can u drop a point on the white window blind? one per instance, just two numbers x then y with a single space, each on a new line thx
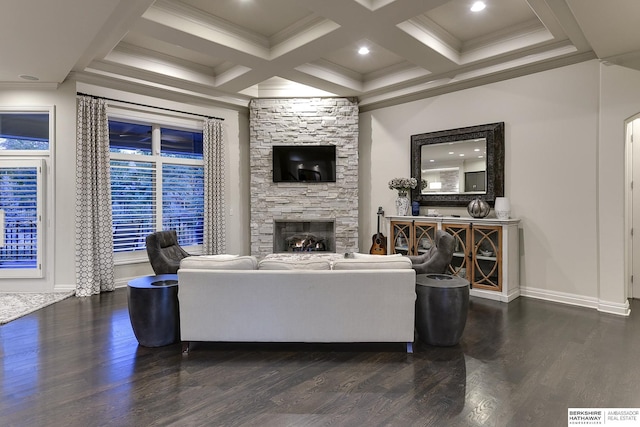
21 198
133 203
183 202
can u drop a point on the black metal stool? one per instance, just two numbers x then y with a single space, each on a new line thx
441 308
153 309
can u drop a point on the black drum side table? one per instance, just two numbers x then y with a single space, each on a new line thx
153 309
442 305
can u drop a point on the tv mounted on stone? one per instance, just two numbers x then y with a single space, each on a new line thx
304 163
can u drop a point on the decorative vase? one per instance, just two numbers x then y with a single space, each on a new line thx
415 208
502 208
402 204
478 208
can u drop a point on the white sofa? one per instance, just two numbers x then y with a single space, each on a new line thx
237 299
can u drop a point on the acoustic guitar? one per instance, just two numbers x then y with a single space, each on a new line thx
379 246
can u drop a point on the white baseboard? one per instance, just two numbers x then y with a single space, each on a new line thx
614 308
123 282
120 283
620 309
493 295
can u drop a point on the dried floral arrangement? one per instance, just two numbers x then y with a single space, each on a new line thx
403 184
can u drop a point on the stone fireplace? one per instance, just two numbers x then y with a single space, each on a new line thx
314 121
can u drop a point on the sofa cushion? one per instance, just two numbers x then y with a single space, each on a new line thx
294 264
377 262
220 262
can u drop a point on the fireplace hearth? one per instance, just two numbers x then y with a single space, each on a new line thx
303 236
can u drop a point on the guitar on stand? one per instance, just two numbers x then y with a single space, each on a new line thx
379 246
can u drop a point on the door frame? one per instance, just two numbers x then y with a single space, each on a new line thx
45 282
629 267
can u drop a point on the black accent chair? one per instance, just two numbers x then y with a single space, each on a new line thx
438 258
164 252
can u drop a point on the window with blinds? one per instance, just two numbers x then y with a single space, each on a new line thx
133 203
157 183
26 138
183 202
20 218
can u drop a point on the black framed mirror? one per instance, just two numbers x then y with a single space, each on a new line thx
458 165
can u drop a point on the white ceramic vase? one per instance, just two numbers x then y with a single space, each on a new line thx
402 204
502 208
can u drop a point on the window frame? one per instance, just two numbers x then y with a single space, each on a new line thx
157 122
44 160
32 153
38 271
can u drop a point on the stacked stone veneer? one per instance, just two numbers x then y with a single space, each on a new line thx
312 121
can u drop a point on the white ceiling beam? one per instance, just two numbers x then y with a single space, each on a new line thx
137 60
381 26
565 19
114 29
112 72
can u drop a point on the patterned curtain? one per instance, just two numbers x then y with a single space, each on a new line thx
94 238
214 239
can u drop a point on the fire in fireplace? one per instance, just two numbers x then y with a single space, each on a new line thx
303 236
305 242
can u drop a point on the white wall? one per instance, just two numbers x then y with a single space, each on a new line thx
554 165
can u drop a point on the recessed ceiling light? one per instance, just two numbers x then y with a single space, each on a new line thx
363 50
478 6
28 77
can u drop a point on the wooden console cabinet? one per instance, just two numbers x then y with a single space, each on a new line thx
486 250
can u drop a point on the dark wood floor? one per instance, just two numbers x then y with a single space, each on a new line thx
77 363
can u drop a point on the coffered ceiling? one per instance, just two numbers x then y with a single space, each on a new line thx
229 51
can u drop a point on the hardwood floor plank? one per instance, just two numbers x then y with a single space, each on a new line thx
77 363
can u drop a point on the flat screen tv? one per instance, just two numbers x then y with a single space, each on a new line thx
304 163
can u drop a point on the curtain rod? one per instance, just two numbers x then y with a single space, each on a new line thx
149 106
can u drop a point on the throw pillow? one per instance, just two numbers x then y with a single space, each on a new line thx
220 262
309 264
377 263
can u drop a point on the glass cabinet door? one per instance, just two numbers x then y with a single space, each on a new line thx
425 237
486 257
459 264
401 237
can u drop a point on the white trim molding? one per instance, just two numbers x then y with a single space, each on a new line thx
620 309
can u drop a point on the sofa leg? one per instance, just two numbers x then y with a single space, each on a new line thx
410 347
185 347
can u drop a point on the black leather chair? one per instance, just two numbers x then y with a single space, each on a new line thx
438 258
164 252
